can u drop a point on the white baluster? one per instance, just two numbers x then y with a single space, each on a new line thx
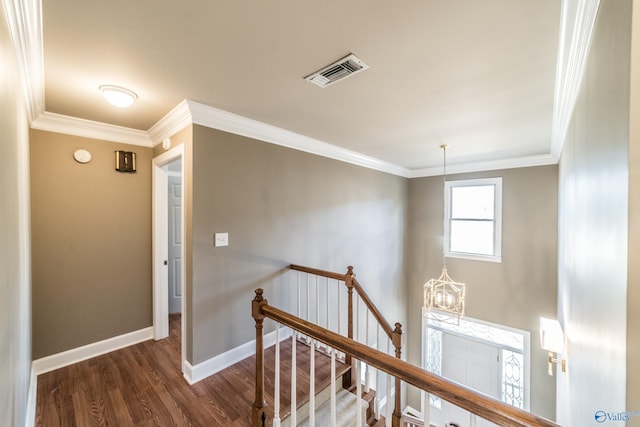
367 372
295 333
328 323
294 403
317 308
426 408
358 395
339 312
312 384
308 298
389 400
357 333
389 397
276 389
376 406
308 339
472 420
333 388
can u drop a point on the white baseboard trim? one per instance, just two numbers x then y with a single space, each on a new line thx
30 417
202 370
75 355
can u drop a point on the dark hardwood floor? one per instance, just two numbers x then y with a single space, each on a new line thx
142 385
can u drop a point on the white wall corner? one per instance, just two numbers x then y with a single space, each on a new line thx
24 18
69 357
30 416
200 371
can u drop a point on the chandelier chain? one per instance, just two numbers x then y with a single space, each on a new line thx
444 201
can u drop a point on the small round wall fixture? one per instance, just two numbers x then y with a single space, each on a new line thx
118 96
82 156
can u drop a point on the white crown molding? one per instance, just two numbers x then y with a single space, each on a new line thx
25 23
24 18
215 118
173 122
576 27
519 162
87 128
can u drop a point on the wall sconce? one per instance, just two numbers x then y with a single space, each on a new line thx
552 340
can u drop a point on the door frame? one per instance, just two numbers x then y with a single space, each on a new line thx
160 224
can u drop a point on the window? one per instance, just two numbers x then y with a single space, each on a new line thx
473 211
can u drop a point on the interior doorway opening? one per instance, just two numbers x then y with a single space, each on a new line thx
169 167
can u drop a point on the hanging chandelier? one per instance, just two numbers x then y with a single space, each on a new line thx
443 297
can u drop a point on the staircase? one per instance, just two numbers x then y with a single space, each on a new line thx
349 341
345 399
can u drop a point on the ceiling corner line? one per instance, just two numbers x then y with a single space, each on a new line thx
489 165
59 123
573 52
174 121
215 118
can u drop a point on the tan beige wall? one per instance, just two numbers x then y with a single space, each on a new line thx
515 292
91 230
181 137
282 206
594 228
15 304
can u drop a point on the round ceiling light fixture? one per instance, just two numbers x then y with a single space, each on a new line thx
118 96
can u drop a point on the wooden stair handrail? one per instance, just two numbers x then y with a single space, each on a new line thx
477 403
317 272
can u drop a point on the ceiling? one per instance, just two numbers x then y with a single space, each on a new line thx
476 75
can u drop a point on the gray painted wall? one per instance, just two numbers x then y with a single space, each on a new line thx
633 282
91 230
15 282
282 206
515 292
593 226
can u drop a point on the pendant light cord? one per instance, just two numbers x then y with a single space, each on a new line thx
444 202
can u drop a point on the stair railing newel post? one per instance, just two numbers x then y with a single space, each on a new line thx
347 378
397 343
258 412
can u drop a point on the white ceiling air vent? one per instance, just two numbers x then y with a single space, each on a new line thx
341 69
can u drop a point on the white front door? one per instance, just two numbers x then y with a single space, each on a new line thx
473 364
175 243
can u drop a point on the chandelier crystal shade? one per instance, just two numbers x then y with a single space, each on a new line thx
444 297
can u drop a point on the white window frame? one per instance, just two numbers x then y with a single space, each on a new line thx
497 230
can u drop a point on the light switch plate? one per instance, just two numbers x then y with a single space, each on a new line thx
221 239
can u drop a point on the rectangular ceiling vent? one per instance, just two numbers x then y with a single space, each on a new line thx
341 69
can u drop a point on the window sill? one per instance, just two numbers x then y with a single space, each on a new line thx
474 257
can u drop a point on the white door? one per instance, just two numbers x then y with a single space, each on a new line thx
175 243
473 364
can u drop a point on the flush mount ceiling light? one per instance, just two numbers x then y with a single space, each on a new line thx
118 96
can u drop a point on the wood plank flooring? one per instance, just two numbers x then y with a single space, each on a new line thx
142 385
